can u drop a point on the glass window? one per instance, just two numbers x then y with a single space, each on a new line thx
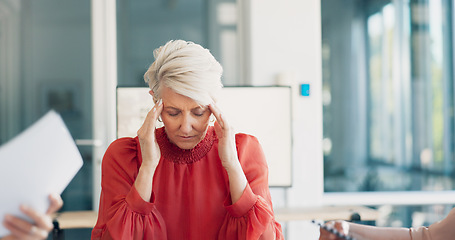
388 95
144 25
45 63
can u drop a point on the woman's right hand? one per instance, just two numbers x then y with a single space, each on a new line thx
149 146
341 226
150 151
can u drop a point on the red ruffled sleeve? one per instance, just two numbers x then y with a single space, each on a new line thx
251 217
123 214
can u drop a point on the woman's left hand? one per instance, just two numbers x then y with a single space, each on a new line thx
227 151
21 229
226 136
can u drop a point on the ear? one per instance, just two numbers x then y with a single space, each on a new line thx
153 95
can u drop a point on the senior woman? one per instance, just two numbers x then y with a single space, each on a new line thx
186 180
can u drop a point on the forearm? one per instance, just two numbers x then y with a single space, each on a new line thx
365 232
144 181
237 180
269 233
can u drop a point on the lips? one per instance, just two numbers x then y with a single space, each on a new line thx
186 137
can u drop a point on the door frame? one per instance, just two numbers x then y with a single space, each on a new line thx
104 80
10 82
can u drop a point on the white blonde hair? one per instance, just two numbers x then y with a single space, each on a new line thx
188 69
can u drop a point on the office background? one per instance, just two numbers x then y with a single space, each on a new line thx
377 128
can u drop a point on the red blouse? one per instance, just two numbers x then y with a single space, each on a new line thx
190 197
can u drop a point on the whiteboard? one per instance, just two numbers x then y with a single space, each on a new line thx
264 112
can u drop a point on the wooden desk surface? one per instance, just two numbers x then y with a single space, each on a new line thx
76 219
325 213
87 219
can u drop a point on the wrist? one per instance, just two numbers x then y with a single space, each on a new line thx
233 167
150 161
237 181
144 181
148 167
235 171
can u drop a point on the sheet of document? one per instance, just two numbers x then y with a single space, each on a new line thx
41 160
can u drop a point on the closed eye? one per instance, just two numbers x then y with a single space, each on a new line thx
199 112
173 113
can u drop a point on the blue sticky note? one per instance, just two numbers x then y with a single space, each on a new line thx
305 89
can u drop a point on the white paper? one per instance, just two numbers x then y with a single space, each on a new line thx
41 160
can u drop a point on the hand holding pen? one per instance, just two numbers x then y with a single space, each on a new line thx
334 230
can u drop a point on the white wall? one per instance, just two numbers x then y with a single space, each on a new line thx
285 47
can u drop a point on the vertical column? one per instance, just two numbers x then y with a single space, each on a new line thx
10 97
104 77
283 46
285 43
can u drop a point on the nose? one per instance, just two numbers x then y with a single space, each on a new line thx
187 124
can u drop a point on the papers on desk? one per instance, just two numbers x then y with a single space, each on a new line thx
41 160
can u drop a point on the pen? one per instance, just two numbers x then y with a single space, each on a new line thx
333 231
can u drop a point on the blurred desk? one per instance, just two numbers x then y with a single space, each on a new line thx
87 219
325 213
72 220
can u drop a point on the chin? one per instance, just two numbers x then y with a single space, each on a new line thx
186 146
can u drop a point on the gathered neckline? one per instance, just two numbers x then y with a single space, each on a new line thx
173 153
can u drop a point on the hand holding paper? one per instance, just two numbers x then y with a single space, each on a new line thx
41 226
41 160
